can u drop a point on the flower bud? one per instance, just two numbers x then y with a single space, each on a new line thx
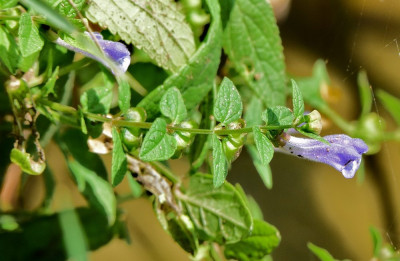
313 122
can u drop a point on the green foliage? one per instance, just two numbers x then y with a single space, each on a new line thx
228 104
298 103
263 240
252 42
173 106
52 16
30 40
97 96
173 36
176 64
321 253
9 51
391 104
219 214
119 163
158 144
220 163
278 116
264 146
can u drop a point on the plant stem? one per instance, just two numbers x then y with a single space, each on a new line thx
147 125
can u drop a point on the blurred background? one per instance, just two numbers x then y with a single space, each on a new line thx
309 202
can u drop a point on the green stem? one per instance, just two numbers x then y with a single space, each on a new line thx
147 125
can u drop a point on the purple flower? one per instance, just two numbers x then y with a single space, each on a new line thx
344 153
116 51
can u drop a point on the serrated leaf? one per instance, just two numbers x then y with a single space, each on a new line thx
157 144
119 163
228 104
264 146
66 9
321 253
313 136
264 171
219 162
124 95
30 40
173 106
49 86
391 104
98 95
89 173
218 214
9 51
298 103
195 79
278 116
252 42
156 26
263 239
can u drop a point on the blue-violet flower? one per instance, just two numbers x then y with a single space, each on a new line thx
344 153
116 51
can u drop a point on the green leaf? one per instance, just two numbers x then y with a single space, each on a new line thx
278 116
195 79
228 104
119 163
252 42
219 214
49 86
219 162
365 93
263 239
98 95
25 161
66 9
74 237
298 103
391 104
30 40
263 170
253 113
52 16
95 188
264 146
157 144
377 241
173 106
9 51
313 136
89 173
26 63
50 186
156 26
124 95
321 253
